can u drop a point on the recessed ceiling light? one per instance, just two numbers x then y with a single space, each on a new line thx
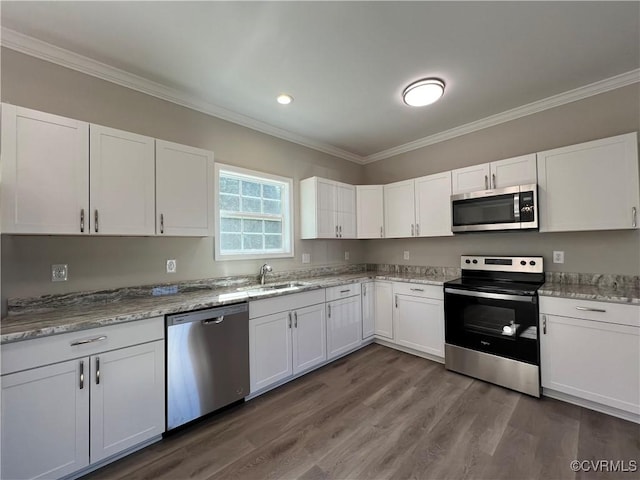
284 99
423 92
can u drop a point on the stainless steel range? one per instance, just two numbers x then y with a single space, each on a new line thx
491 321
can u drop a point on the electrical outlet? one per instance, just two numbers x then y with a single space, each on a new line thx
406 254
59 272
172 266
346 255
558 256
306 258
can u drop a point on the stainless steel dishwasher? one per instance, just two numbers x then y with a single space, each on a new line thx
207 361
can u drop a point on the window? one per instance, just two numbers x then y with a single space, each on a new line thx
253 214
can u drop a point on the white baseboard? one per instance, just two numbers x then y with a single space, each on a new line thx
411 351
598 407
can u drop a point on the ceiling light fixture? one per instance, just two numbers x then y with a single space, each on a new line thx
284 99
423 92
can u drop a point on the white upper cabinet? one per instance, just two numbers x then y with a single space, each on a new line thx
399 209
514 171
45 173
590 186
184 190
370 211
433 205
499 174
327 209
122 189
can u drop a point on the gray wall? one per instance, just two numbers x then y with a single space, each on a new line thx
116 261
603 115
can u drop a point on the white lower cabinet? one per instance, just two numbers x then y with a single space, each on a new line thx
344 326
597 361
418 324
62 417
45 421
287 342
368 309
384 309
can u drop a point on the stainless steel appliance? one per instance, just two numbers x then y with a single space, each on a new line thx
491 321
207 361
500 209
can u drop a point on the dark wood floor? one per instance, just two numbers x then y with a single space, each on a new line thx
380 413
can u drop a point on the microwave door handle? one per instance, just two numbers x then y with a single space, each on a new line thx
516 207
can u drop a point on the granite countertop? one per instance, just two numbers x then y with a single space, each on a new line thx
600 293
52 320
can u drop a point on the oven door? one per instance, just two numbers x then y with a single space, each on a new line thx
496 323
486 210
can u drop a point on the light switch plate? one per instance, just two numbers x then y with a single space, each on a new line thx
306 258
406 255
346 255
59 272
558 256
172 266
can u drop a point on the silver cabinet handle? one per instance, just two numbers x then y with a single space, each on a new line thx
82 220
340 231
88 340
634 222
381 232
486 182
345 291
96 220
417 289
295 319
329 310
364 290
337 231
97 370
81 374
412 230
289 319
417 229
396 301
162 223
544 324
493 178
589 309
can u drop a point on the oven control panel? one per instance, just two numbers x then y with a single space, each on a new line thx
502 264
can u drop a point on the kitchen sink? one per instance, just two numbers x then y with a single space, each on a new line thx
274 287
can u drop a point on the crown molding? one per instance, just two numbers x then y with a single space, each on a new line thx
579 93
65 58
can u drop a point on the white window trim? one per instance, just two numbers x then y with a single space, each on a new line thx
287 207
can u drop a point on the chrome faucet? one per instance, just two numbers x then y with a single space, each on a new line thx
264 269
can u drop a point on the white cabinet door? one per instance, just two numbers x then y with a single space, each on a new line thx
45 421
596 361
44 172
590 186
344 326
399 209
127 398
471 179
184 190
368 309
514 171
318 208
419 324
346 210
433 205
122 185
384 309
270 348
370 211
309 337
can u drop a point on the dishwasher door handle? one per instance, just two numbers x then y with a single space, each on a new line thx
214 321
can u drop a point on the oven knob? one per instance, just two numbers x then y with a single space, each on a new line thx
522 262
532 263
467 261
475 261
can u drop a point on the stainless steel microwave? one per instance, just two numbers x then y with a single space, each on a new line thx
511 208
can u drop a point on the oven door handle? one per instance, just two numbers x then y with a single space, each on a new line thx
493 296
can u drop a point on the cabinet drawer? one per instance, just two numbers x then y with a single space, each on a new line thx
419 290
619 313
269 306
58 348
343 291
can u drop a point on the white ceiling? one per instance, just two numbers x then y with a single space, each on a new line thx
346 63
